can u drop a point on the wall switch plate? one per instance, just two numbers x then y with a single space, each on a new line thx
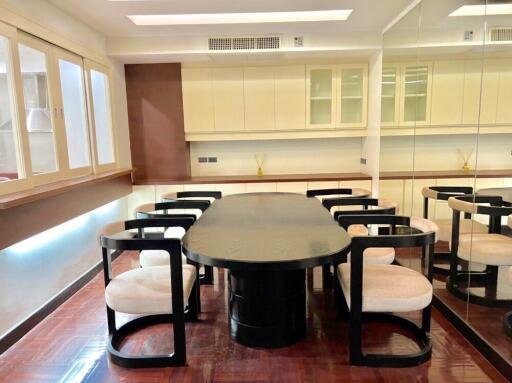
212 159
362 161
202 160
468 35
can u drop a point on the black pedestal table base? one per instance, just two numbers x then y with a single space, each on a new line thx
267 308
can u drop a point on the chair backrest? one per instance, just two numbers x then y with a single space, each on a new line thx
349 192
161 209
442 193
201 195
382 206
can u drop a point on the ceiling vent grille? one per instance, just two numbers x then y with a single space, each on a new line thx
500 34
243 43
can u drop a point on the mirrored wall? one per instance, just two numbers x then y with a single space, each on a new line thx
447 124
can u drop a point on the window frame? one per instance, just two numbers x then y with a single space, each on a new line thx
90 65
17 109
58 54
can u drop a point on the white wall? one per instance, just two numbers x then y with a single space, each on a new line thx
282 156
440 152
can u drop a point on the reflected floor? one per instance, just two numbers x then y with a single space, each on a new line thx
487 321
69 346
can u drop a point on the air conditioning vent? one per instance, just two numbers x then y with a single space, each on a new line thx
243 43
500 34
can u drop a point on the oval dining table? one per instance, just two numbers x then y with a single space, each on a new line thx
266 241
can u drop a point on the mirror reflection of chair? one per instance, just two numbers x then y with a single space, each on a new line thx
161 294
373 292
491 249
467 224
166 210
358 205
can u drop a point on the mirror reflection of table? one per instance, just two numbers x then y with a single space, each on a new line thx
267 241
505 193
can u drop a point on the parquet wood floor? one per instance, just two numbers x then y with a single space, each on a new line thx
69 346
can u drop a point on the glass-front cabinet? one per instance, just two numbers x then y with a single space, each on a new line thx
390 95
415 93
321 96
352 96
337 96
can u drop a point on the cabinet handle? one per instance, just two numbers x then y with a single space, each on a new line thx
55 112
62 113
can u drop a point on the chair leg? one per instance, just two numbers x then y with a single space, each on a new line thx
194 303
177 358
358 358
327 277
507 323
339 299
207 277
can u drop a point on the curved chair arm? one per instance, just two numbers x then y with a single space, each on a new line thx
445 192
472 204
183 204
190 194
355 192
383 206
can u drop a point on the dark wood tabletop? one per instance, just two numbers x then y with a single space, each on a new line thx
266 231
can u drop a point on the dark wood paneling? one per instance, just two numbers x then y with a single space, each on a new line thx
256 179
155 112
71 344
37 213
500 173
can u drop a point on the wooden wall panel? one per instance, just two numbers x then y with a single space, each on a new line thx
155 113
23 221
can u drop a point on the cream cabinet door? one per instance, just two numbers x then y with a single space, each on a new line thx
321 96
415 93
352 96
447 92
504 106
290 97
390 95
490 82
228 99
197 92
259 98
472 88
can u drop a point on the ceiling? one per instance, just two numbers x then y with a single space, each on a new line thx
109 17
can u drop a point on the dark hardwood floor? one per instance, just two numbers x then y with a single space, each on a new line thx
69 346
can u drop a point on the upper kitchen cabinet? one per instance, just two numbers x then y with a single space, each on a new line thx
228 99
415 94
352 96
390 94
504 109
259 91
320 96
496 92
197 100
447 92
290 97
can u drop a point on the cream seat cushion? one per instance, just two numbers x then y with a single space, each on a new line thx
488 249
378 255
150 258
389 288
466 226
175 232
357 230
146 290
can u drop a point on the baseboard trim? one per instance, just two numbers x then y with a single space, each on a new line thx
33 320
498 361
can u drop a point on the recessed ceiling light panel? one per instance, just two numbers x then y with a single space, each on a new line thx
482 10
241 18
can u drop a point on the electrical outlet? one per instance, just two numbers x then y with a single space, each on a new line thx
362 161
212 159
468 35
202 160
298 41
